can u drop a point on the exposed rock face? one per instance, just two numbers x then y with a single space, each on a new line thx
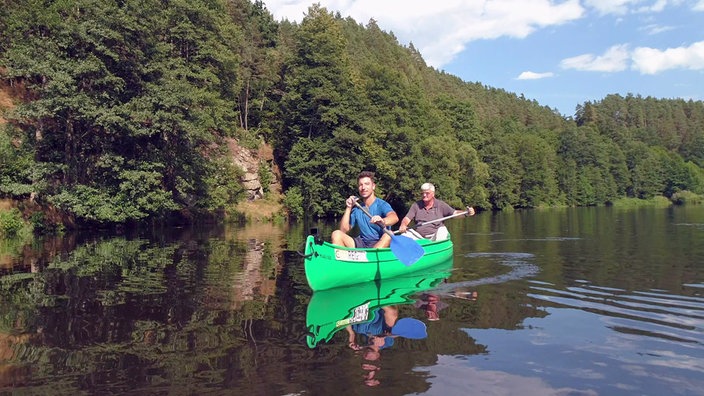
251 183
250 161
5 101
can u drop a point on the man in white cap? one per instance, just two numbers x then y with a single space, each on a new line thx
427 209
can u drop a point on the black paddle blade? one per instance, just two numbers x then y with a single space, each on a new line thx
406 250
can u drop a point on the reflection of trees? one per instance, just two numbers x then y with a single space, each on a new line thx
11 374
195 311
33 253
164 315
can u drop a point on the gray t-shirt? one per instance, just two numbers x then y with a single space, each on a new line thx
420 214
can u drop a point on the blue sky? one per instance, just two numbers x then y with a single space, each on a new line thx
559 53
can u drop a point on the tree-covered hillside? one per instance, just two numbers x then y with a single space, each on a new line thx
123 109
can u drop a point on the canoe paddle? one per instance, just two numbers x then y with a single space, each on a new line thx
409 328
465 213
406 250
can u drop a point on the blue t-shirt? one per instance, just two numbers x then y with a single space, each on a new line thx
375 327
367 231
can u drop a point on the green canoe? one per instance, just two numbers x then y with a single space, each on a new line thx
329 266
332 310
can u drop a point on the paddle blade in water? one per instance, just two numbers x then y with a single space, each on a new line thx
409 328
406 250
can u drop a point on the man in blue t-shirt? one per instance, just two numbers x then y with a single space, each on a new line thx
371 233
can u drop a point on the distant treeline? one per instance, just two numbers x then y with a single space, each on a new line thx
124 110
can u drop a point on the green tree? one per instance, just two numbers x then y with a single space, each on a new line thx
16 166
473 177
647 174
126 96
316 165
260 62
505 172
538 185
318 96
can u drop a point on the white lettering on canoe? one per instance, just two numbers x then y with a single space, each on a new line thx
361 314
351 255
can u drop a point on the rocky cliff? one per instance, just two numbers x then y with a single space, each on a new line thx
252 162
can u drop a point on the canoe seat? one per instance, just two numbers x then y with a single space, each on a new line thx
441 234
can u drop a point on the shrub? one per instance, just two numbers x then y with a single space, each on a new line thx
265 176
293 201
686 197
11 223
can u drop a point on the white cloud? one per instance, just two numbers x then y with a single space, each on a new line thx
618 7
655 29
613 60
452 374
441 29
653 61
658 6
529 75
643 59
622 7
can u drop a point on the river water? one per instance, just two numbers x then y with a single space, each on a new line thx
587 301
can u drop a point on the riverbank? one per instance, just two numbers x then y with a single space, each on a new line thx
268 209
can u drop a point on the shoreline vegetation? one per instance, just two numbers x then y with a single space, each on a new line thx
13 223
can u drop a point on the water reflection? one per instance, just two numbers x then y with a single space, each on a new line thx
372 316
381 333
330 311
129 312
431 303
589 301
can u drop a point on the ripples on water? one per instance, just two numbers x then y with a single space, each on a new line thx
578 336
596 340
654 335
521 265
652 313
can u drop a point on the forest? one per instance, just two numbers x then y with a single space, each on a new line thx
122 112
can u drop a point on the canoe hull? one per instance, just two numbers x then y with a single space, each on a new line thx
329 266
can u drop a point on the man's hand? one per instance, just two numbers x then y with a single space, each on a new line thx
350 201
354 346
470 211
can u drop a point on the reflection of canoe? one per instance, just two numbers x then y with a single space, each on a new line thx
332 310
328 266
